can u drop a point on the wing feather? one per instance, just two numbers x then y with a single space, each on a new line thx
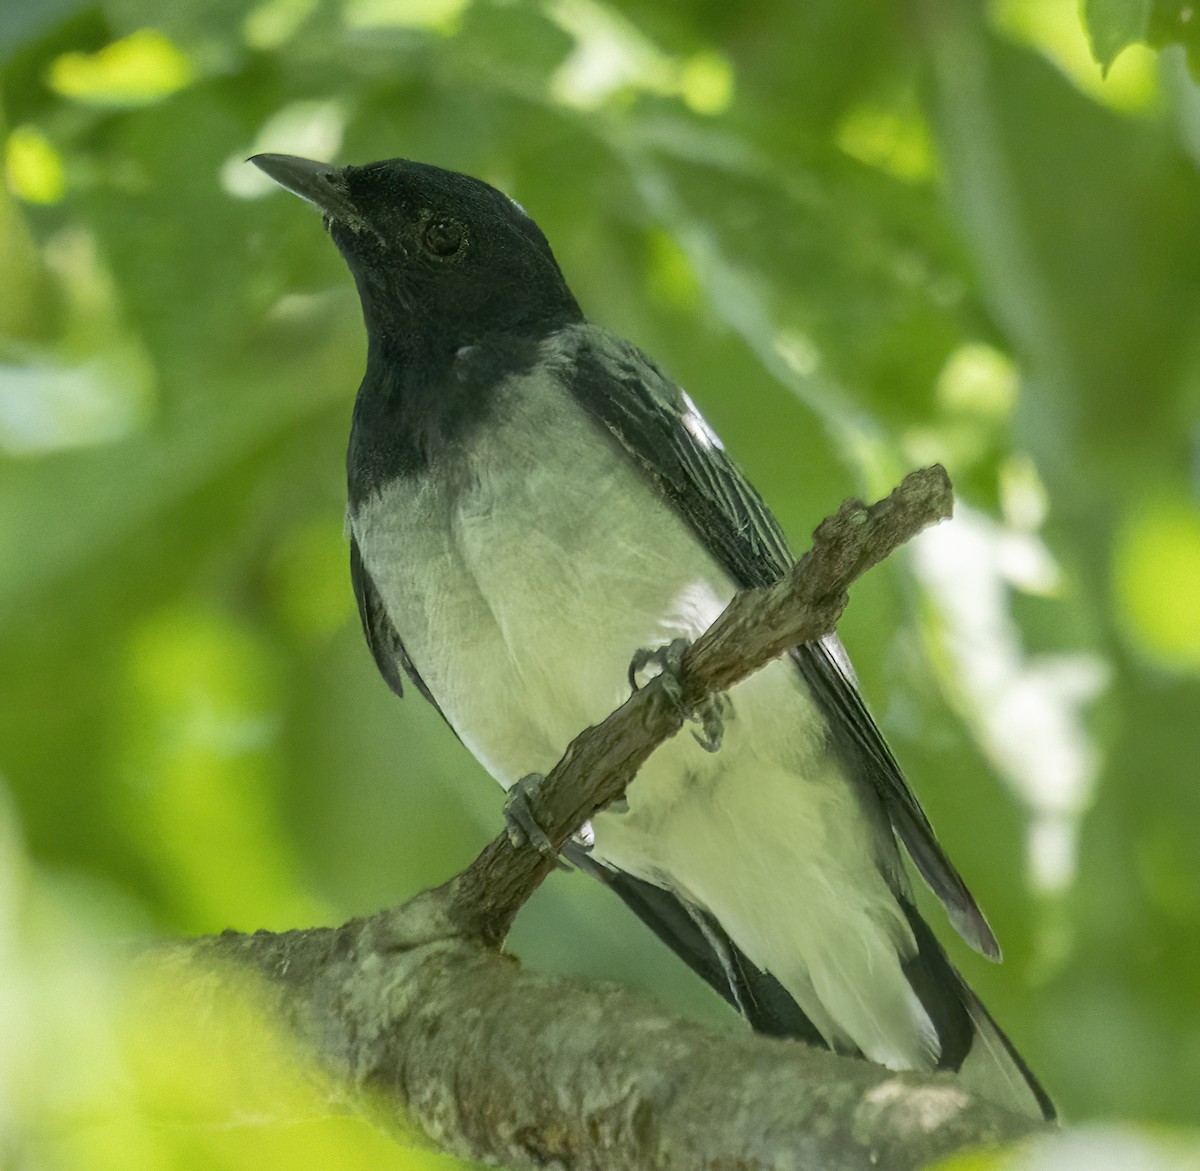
660 428
386 648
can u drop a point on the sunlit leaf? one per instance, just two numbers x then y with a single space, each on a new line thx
437 15
137 70
611 56
978 380
706 83
895 141
33 166
273 23
1112 25
1127 80
1156 569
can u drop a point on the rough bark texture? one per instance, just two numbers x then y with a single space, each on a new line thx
421 1021
425 1029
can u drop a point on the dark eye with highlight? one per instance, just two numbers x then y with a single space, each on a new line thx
444 237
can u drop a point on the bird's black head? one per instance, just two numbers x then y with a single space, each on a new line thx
441 259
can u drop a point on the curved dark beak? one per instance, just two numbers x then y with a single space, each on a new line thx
321 184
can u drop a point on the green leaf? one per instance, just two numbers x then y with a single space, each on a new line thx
1113 24
1175 22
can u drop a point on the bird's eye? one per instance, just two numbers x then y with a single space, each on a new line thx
444 237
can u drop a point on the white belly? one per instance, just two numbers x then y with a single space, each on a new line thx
521 583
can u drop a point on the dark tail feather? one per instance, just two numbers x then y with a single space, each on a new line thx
1003 1057
973 1044
709 952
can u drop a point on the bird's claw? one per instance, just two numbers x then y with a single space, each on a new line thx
523 827
668 659
711 713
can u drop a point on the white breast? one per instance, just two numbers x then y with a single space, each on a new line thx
522 579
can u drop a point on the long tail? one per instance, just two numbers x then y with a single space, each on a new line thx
972 1044
996 1071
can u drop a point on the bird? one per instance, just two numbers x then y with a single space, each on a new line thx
531 504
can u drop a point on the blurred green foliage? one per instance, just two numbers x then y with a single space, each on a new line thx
864 236
1113 25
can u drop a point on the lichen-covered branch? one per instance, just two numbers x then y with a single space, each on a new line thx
417 1017
424 1030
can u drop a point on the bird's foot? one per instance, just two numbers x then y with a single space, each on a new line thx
523 827
669 661
711 713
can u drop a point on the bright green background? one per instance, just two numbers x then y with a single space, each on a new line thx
865 236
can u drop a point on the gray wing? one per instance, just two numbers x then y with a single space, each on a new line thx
661 430
386 648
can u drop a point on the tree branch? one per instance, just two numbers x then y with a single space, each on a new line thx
421 1029
420 1024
